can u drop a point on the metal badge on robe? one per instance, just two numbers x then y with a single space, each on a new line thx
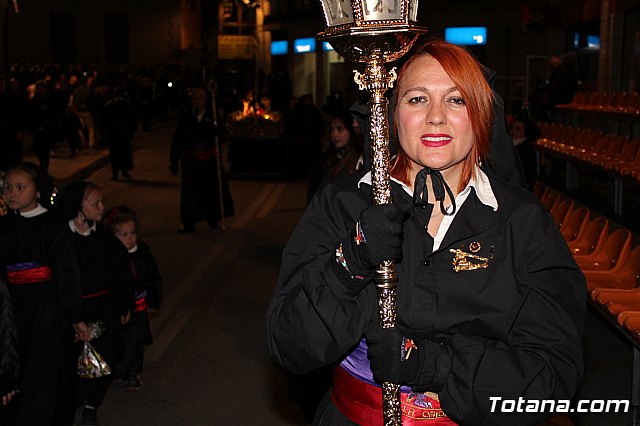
463 261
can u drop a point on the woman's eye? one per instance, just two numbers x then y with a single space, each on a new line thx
457 100
417 99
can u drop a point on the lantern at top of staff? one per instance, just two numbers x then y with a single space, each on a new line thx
357 28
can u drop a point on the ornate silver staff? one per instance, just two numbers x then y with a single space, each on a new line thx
376 32
212 86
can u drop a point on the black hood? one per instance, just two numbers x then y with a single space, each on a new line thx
69 202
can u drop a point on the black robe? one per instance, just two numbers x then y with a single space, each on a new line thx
512 329
9 362
193 150
44 313
146 276
107 294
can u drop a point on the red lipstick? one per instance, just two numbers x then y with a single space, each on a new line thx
434 140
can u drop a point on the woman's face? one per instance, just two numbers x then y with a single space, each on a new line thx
126 233
517 130
92 206
20 192
434 127
339 133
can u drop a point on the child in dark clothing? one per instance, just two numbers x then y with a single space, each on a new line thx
123 222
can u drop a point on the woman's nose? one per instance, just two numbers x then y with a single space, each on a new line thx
435 114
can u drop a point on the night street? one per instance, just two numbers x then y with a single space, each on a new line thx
208 363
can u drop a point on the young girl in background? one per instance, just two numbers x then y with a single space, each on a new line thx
106 283
342 156
147 292
44 286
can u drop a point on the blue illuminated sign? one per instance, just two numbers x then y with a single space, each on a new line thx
593 42
326 46
466 36
304 45
280 47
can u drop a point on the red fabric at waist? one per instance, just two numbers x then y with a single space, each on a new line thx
361 403
96 294
141 305
200 154
29 276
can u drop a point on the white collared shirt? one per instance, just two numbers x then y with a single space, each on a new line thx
479 181
75 229
34 212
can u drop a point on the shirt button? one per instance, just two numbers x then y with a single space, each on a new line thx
427 262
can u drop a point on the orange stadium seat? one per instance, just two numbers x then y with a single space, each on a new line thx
595 232
575 223
550 198
628 153
618 284
613 151
613 250
632 324
561 210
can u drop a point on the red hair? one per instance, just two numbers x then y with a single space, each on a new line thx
466 73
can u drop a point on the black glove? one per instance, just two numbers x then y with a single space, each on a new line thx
382 227
398 359
174 170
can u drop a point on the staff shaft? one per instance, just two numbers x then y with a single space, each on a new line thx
212 89
377 80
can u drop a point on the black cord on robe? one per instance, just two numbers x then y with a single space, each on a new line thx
440 189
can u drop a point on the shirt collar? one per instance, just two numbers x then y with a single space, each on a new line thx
35 212
479 181
75 229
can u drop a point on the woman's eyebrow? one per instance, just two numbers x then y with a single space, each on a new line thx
425 90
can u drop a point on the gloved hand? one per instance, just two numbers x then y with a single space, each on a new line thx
382 228
397 358
387 352
173 170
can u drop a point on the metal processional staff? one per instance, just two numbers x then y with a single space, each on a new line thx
376 32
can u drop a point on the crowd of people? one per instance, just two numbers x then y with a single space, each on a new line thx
83 107
70 269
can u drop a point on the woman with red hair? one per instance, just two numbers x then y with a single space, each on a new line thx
490 302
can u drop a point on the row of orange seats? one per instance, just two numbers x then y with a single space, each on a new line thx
619 103
613 154
608 258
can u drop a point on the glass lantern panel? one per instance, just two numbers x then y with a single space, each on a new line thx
413 10
380 10
338 12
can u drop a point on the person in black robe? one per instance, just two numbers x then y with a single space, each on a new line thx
11 127
119 126
44 122
524 133
9 362
106 283
193 149
490 302
44 284
147 289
